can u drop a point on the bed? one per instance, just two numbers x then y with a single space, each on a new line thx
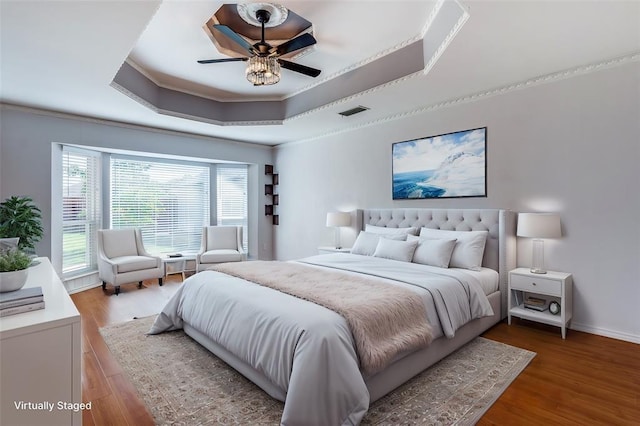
305 354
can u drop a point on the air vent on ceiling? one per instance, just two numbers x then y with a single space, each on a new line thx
352 111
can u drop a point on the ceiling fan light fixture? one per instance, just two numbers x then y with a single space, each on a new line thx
263 70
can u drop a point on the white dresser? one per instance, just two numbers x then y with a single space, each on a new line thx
40 357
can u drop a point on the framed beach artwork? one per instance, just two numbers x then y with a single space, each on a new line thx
445 166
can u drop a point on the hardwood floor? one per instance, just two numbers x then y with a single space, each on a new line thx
583 380
114 399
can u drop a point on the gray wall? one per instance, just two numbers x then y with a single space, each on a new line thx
570 146
29 145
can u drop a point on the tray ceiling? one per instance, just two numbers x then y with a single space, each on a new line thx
469 49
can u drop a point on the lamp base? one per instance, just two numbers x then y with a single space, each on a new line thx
537 266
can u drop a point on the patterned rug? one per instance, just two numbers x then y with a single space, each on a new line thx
182 383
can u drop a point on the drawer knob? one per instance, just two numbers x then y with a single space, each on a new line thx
534 283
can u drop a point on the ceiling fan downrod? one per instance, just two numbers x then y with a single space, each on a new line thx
263 17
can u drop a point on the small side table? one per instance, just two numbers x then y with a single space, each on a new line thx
552 286
178 265
329 249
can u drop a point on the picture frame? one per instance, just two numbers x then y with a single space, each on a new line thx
450 165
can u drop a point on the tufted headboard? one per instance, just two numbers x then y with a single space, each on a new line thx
500 249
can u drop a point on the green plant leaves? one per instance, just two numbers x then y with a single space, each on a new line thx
13 260
19 217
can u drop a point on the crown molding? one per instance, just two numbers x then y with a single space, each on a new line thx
533 82
155 81
420 36
548 78
316 82
133 96
121 124
464 16
216 122
178 114
432 16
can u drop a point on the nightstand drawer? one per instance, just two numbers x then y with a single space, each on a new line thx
536 285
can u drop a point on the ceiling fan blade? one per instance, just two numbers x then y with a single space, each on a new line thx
302 69
215 61
300 42
235 37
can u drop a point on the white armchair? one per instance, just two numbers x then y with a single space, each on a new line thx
122 259
220 244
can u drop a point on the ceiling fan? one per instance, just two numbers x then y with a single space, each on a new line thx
264 59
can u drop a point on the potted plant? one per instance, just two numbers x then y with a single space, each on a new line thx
13 269
19 217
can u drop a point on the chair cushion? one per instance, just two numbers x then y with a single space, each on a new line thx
222 237
119 242
134 263
220 256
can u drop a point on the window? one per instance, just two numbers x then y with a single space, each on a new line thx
168 201
81 214
232 197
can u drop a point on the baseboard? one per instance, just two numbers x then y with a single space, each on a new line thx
82 282
605 332
83 288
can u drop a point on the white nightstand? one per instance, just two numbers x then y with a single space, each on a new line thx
552 286
329 249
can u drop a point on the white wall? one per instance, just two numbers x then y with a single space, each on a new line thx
571 146
29 142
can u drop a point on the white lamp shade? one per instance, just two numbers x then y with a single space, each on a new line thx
338 219
539 225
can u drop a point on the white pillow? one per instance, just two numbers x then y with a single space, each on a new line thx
386 231
367 242
469 249
395 250
432 251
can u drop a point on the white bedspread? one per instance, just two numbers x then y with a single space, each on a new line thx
456 294
305 350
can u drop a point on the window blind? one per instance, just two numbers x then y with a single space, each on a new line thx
232 197
82 214
168 201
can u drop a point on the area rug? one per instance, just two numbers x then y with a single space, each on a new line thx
182 383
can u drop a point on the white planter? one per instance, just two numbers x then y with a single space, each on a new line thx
14 280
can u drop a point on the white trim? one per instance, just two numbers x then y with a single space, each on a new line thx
421 73
370 59
549 78
627 337
80 275
178 114
81 282
122 124
536 81
84 288
447 40
316 82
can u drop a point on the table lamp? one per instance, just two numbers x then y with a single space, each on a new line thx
337 220
537 226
